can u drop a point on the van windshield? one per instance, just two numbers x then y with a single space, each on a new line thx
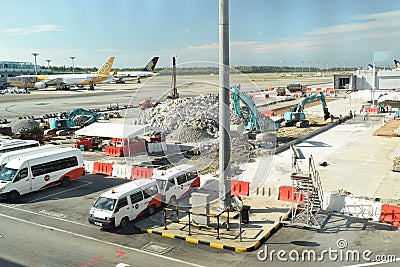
105 203
7 174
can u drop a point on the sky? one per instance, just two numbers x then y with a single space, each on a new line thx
303 33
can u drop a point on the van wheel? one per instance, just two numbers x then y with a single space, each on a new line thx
13 196
172 200
152 210
124 222
65 182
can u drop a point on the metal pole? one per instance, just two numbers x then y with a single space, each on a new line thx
35 55
224 123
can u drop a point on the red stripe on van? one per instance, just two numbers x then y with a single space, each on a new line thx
73 174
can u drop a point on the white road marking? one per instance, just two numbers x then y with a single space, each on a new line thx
45 215
87 183
101 241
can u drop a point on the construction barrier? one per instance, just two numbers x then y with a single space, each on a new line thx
362 208
156 147
141 172
390 214
89 166
102 168
115 151
372 110
121 171
286 194
240 188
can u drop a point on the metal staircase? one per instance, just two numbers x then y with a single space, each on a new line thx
307 194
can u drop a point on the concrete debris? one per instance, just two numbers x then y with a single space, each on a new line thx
396 164
23 125
341 192
187 133
200 111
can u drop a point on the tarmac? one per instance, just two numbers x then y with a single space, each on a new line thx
264 220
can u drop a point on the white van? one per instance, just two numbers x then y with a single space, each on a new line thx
176 182
35 172
124 203
6 157
17 144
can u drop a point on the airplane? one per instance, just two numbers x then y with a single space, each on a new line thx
147 71
397 64
64 81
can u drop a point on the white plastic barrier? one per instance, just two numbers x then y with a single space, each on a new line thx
362 208
156 147
89 165
122 171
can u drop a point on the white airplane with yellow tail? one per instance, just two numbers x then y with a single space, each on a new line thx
64 81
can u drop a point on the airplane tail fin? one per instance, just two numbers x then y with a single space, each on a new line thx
151 65
106 67
115 72
397 63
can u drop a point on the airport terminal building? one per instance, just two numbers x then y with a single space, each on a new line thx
14 68
366 79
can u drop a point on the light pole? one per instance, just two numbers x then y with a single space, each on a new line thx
35 55
48 63
72 58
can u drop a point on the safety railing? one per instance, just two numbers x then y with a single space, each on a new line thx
176 212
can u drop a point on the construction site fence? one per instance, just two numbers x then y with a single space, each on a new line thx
174 217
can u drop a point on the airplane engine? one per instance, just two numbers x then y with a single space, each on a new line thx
40 85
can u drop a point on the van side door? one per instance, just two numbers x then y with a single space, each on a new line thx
182 187
122 210
22 181
137 203
149 193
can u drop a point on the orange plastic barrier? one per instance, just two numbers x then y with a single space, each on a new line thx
286 194
372 110
115 151
390 214
141 172
272 89
268 113
103 168
240 188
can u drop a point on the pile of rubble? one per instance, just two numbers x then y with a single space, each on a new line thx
189 118
18 126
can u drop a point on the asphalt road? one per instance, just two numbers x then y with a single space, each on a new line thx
50 228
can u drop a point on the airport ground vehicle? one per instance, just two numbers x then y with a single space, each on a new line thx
67 120
297 117
8 156
176 182
295 87
118 206
35 172
17 144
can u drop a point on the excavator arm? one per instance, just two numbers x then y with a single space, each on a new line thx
254 122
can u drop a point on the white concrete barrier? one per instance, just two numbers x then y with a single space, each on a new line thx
362 208
89 166
156 147
122 171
